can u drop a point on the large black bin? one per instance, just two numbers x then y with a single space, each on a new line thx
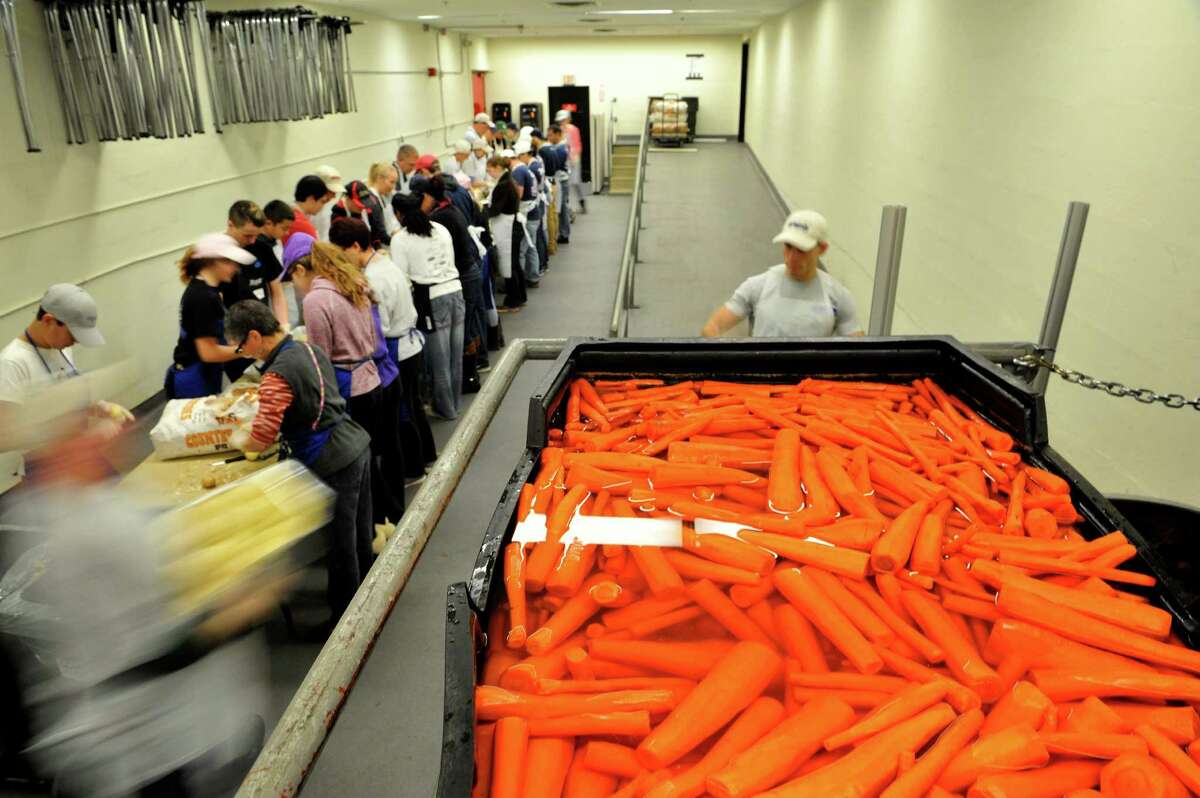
1001 398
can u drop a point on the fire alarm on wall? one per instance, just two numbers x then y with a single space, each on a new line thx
433 72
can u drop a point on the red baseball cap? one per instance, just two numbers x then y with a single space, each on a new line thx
426 162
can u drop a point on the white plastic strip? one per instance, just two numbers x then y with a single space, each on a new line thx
612 530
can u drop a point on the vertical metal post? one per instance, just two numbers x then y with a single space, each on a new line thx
1060 289
887 269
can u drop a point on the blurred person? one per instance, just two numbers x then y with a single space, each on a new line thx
574 141
381 179
245 222
477 227
312 195
530 214
43 355
461 162
467 260
424 251
426 166
562 179
398 322
479 128
261 280
300 404
201 351
358 202
480 152
797 298
406 166
507 232
334 182
141 700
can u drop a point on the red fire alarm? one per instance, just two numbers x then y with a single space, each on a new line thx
433 72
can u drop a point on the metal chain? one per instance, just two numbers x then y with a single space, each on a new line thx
1144 395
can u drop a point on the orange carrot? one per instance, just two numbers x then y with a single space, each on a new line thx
485 749
799 639
893 549
606 757
798 588
1024 605
820 505
747 595
732 684
569 618
708 596
830 558
547 761
494 703
691 660
673 475
1024 704
682 432
859 699
843 488
1047 481
777 755
852 533
922 777
1049 782
525 501
693 567
962 658
552 665
1140 618
1083 681
729 551
1014 748
577 665
609 685
1180 725
666 621
572 569
583 782
642 610
508 762
783 490
1137 776
904 705
859 613
847 681
927 465
871 766
1093 744
929 650
758 719
663 579
514 588
1090 715
927 548
1182 766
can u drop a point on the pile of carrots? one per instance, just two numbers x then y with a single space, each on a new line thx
907 611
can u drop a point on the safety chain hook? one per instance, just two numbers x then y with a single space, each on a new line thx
1144 395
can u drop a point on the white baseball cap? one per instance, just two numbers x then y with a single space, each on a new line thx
76 309
803 230
462 146
332 177
526 132
523 146
508 154
482 117
480 144
220 245
561 115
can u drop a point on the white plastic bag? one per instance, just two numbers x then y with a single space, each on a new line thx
191 427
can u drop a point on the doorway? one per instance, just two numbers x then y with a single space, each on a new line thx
577 100
478 95
742 98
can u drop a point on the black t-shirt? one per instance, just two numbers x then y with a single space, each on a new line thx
254 281
201 315
466 254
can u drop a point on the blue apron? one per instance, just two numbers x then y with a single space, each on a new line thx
306 445
196 380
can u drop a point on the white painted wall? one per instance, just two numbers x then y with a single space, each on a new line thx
986 119
116 216
630 69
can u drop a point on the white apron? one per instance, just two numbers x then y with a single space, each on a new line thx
783 312
502 235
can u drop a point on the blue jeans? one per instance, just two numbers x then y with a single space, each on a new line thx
530 260
444 353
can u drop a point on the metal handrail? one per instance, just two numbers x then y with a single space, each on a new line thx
294 744
623 301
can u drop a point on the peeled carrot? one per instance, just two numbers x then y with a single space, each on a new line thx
808 598
820 505
830 558
508 762
1024 704
514 588
921 778
524 675
962 658
666 621
893 549
1048 782
608 685
495 703
573 568
1182 766
691 567
843 488
1077 683
759 718
783 490
708 596
904 705
606 757
642 610
1138 776
872 765
859 699
1014 748
663 579
1140 618
777 755
485 749
562 624
858 611
729 551
583 782
799 639
1092 744
547 761
1047 481
926 555
732 684
691 660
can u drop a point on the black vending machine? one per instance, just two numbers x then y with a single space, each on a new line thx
502 112
576 100
531 115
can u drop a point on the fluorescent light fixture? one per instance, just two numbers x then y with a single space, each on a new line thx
430 16
638 12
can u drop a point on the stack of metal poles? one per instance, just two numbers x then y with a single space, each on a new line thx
12 42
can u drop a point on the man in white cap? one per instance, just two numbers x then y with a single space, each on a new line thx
461 162
480 152
479 128
797 298
530 216
336 185
41 355
574 141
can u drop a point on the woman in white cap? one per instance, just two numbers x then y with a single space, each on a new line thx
201 349
796 299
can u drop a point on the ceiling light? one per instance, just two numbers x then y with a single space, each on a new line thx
430 16
634 12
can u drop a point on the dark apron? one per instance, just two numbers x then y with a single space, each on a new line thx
196 380
306 445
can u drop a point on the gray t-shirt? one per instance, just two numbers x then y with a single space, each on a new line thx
781 307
